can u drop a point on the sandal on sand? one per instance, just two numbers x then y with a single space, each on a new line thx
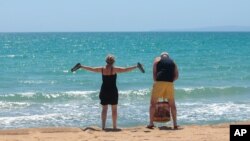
150 126
76 67
140 67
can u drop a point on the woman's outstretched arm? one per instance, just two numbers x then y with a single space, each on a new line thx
124 69
93 69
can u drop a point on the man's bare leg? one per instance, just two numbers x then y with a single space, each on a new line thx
173 112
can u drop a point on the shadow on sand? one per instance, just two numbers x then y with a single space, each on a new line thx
169 128
98 129
112 130
90 128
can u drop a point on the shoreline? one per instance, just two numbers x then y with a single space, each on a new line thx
213 132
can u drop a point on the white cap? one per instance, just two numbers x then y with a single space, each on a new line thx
164 54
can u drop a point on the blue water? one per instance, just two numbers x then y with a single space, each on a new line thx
38 90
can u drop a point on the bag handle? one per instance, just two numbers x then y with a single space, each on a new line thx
162 100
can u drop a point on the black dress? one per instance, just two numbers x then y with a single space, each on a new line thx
109 91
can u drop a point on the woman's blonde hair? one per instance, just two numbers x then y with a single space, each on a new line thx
110 59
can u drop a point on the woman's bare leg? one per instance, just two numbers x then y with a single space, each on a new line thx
114 115
104 115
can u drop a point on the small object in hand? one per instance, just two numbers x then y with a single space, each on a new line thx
76 67
140 67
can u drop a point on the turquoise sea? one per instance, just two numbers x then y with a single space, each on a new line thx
37 88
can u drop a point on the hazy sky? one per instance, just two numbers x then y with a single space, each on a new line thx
120 15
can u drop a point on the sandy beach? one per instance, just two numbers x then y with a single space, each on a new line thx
219 132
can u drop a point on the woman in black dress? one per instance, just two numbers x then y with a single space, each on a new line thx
109 93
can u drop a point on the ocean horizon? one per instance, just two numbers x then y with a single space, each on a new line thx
37 88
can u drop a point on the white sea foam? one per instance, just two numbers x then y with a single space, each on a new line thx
29 118
190 89
48 95
10 56
215 88
32 82
140 92
13 105
65 71
7 56
37 82
27 94
76 93
212 111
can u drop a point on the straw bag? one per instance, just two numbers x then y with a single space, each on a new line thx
162 112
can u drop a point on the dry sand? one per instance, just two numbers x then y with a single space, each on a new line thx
218 132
